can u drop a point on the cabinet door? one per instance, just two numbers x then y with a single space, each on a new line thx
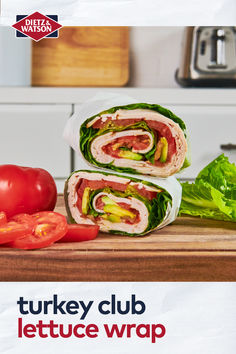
209 127
31 135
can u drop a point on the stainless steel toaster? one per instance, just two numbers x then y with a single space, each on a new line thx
208 57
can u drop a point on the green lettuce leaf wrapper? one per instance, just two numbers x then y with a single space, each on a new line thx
213 195
157 207
88 134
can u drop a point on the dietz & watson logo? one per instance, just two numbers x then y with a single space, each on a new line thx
37 26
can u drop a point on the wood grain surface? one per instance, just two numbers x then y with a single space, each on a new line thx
190 249
82 56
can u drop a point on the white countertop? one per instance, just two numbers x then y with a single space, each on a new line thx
62 95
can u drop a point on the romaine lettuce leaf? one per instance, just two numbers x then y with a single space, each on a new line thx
221 174
213 195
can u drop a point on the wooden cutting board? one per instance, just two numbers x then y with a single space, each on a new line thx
190 249
82 56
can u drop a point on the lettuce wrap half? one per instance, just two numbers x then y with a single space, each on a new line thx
123 204
138 138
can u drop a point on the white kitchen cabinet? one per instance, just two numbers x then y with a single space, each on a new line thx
31 135
209 128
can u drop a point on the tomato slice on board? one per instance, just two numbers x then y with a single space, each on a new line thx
3 218
12 230
80 232
24 219
49 227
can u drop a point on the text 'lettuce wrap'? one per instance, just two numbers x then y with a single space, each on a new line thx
121 204
137 138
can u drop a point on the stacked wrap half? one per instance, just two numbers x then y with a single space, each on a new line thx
137 138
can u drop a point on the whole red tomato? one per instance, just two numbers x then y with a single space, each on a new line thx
26 190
